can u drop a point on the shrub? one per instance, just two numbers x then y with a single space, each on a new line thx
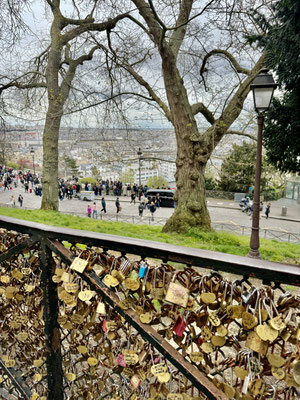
89 179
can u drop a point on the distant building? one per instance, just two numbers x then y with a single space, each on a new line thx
163 169
145 175
167 170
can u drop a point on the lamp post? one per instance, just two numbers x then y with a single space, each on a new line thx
139 153
32 154
262 88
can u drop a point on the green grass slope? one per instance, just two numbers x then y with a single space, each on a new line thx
215 241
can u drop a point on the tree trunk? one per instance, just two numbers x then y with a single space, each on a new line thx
190 199
53 119
50 158
192 156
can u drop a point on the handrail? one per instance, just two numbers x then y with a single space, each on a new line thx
268 271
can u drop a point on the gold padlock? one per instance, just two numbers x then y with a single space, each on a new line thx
177 294
156 292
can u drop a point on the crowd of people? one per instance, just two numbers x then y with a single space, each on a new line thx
69 188
11 179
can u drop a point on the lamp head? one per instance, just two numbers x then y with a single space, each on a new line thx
263 88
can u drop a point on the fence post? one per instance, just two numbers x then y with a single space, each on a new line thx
52 334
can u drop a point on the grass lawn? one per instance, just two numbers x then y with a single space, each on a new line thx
215 241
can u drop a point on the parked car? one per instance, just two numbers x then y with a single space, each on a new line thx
166 196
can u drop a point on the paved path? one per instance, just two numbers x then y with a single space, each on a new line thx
221 211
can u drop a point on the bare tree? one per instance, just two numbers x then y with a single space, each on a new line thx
196 52
52 73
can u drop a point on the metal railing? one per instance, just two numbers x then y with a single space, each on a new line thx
265 233
44 252
147 219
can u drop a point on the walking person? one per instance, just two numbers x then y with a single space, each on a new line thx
157 200
12 201
89 211
140 193
141 209
20 200
103 202
95 211
267 212
117 203
149 202
132 197
152 209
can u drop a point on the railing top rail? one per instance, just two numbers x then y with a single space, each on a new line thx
261 269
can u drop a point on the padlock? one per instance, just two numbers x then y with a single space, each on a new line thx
179 326
124 265
143 269
157 293
176 293
249 295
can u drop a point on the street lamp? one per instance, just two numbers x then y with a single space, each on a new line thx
139 153
32 154
262 88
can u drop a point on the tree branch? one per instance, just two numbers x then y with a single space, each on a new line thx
164 28
156 16
38 60
15 82
139 79
149 89
215 133
227 55
78 22
73 64
193 17
201 108
108 99
180 30
90 26
50 4
241 133
88 19
23 86
151 21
